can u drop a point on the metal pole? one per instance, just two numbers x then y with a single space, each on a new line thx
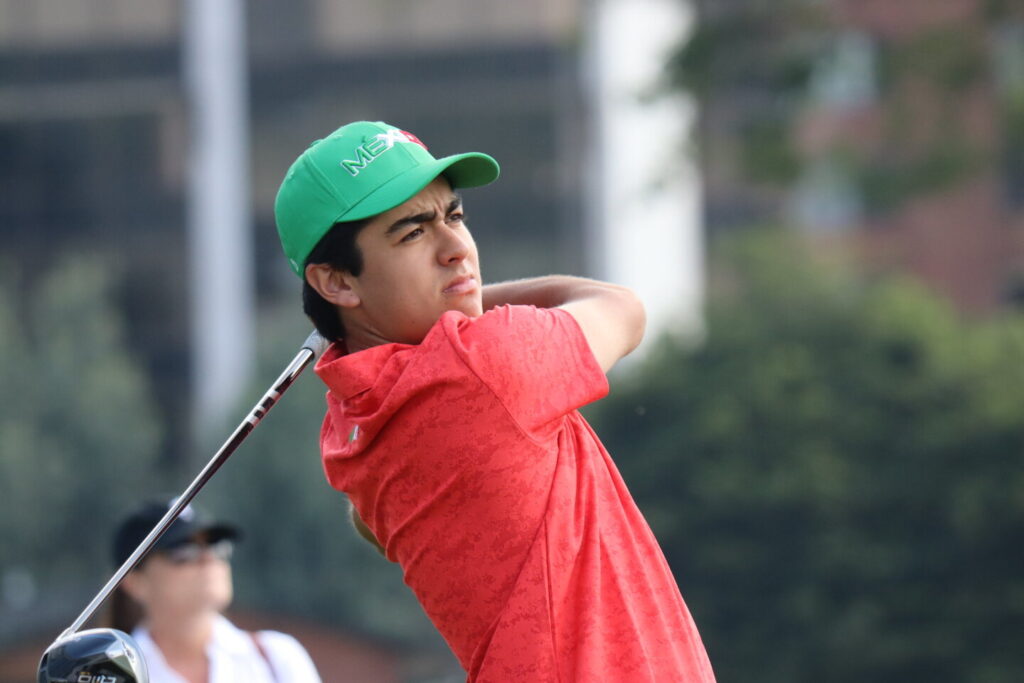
219 220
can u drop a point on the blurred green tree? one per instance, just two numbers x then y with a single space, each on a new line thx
749 63
834 474
78 436
762 72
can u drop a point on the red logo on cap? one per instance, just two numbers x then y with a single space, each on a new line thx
413 138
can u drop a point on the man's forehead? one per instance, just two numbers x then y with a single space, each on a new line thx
438 194
439 190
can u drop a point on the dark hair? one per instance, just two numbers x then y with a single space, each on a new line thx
124 613
338 250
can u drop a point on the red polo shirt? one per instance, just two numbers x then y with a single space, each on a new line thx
466 456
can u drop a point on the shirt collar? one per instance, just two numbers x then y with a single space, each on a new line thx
150 652
348 374
230 638
225 636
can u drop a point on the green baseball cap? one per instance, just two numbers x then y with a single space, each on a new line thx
360 170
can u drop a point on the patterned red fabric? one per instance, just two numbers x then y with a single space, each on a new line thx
467 458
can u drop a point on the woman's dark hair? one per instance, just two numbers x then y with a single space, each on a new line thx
338 250
124 613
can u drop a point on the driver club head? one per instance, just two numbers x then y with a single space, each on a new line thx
98 655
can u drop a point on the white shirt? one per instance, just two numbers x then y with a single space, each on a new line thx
233 657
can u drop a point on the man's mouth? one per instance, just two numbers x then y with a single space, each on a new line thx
461 285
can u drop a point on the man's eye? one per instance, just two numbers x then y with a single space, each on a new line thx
413 234
456 217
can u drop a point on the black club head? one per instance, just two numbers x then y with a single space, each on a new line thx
99 655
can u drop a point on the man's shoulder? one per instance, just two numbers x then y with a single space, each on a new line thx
496 323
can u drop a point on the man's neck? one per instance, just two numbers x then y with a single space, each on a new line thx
359 338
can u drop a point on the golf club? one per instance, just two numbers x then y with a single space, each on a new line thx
105 655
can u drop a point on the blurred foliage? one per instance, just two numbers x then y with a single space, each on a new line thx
924 146
752 44
888 182
834 475
947 56
751 64
1013 149
1014 113
300 554
78 434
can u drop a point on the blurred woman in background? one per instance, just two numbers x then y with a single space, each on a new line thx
172 605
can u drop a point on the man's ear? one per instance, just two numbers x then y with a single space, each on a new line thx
332 284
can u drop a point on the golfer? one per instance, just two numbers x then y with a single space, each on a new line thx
452 421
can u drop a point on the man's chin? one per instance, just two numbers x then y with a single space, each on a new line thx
471 306
472 309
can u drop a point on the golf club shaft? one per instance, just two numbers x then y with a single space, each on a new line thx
311 349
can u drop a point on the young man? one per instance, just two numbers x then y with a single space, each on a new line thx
452 422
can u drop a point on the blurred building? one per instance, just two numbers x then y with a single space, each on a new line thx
939 125
92 128
904 138
94 119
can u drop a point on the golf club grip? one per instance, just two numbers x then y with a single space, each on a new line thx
315 343
311 349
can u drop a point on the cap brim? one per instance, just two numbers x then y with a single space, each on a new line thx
182 535
472 169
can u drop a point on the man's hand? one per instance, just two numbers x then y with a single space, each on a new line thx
364 530
612 317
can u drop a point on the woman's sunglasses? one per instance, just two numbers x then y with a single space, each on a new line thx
193 552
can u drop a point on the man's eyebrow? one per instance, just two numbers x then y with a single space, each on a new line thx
455 203
409 220
425 217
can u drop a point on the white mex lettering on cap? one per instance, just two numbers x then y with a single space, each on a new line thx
367 152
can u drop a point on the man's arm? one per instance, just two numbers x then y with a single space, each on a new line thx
612 317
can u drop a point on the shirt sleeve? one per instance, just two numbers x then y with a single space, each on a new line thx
535 360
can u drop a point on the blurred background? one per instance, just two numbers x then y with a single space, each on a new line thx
821 202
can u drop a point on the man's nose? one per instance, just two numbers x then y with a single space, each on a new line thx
455 247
